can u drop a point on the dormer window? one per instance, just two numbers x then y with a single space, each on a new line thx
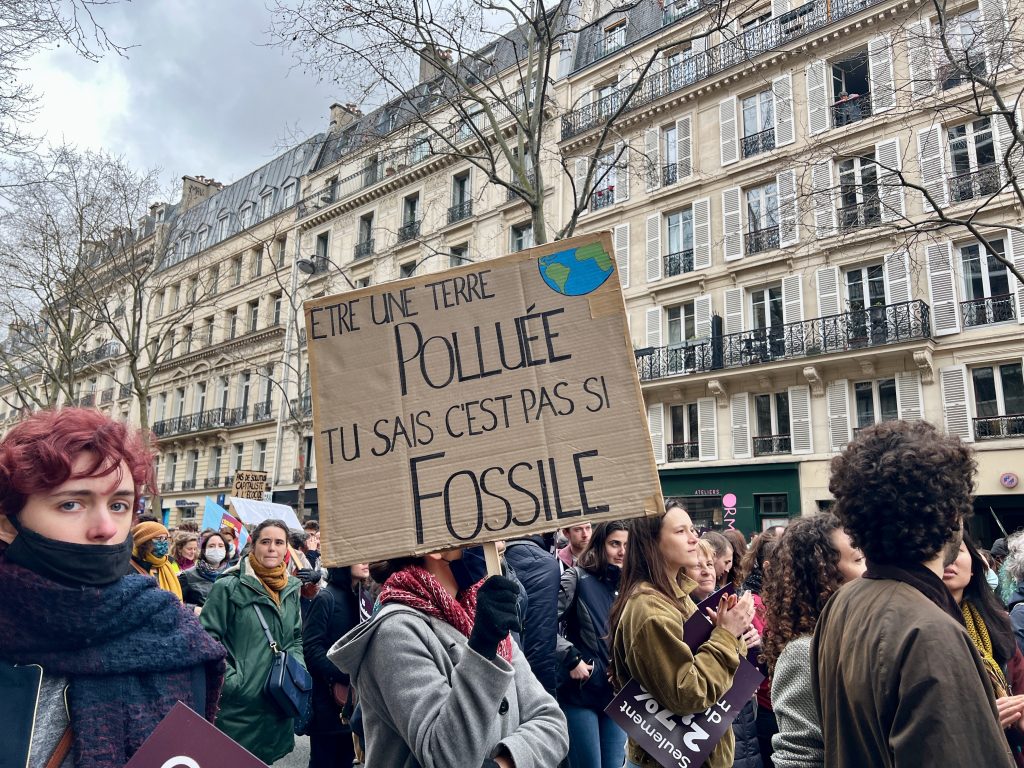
266 204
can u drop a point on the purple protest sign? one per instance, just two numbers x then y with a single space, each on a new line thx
183 739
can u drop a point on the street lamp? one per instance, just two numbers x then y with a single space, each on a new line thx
308 266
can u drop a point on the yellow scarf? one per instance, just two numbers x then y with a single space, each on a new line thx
274 579
979 636
162 570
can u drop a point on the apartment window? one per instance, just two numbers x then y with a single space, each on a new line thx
851 97
290 190
232 323
161 406
216 460
236 270
245 215
363 282
772 509
681 323
179 402
419 148
322 247
222 228
762 218
998 390
986 285
192 467
771 420
331 185
680 242
203 238
256 262
680 63
366 227
266 204
158 303
859 203
187 338
521 236
280 247
458 255
222 392
685 433
259 459
613 39
670 153
407 270
208 331
254 314
175 297
172 467
604 182
277 308
974 171
766 308
411 209
214 279
758 123
604 95
875 402
966 49
244 387
193 290
460 189
237 451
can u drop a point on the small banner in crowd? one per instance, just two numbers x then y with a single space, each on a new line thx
215 517
249 484
489 401
183 739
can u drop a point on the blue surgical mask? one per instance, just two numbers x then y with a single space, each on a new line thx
161 548
992 578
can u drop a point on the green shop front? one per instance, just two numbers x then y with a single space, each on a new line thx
752 498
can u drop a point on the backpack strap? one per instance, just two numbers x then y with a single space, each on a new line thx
62 750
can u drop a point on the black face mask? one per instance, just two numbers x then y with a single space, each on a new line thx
73 565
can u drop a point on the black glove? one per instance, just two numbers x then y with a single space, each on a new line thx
308 575
497 614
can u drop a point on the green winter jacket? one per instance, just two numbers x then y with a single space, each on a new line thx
246 714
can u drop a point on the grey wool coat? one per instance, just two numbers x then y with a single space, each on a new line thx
429 701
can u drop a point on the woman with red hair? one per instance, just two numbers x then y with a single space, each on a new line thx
92 655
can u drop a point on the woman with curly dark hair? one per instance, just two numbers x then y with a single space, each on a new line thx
811 561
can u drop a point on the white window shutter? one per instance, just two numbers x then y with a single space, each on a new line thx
707 432
779 7
653 247
733 310
727 126
1009 152
684 146
702 316
621 172
792 299
654 327
782 93
953 381
922 63
580 179
890 188
789 229
897 278
930 158
837 396
909 399
702 233
739 411
995 34
824 201
656 424
652 152
1016 255
800 431
942 288
621 238
817 97
732 224
828 291
880 74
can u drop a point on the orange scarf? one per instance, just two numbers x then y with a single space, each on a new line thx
274 579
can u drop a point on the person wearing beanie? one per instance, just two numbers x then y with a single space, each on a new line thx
151 556
92 655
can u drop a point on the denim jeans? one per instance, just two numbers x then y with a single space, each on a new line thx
595 741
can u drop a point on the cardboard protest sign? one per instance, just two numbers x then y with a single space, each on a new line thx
249 484
183 739
493 400
254 512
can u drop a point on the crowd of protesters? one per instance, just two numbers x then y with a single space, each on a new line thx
886 636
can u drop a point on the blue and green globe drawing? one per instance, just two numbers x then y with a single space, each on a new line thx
577 271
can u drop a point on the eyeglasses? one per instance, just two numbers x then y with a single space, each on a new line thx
162 538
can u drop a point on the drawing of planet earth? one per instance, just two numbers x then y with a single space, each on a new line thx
577 271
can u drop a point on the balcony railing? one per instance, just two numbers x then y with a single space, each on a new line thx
756 143
851 109
985 181
951 75
125 393
188 485
678 10
679 263
770 35
167 486
761 240
262 411
302 405
511 194
861 329
683 451
102 352
363 249
88 400
602 198
460 211
214 482
772 445
999 427
302 473
669 174
216 418
860 215
993 309
409 231
107 396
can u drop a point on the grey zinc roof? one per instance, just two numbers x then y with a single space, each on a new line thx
642 20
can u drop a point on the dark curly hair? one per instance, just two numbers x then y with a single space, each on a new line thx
901 490
805 574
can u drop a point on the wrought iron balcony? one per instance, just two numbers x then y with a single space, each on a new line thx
679 263
993 309
761 240
683 451
107 396
602 198
102 352
865 214
125 392
216 418
409 231
511 194
772 445
756 143
851 109
669 174
363 249
167 486
302 405
88 400
771 35
214 482
999 427
188 485
985 181
302 473
861 329
460 211
262 411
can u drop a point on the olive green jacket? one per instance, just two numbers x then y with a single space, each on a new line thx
246 714
648 647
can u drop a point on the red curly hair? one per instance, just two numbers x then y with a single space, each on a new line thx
37 454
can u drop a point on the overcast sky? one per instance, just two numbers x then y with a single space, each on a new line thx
199 93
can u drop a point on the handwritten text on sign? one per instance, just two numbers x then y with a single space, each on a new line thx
484 402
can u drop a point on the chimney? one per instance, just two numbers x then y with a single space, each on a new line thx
343 114
195 189
429 54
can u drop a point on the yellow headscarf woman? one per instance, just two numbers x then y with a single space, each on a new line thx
151 544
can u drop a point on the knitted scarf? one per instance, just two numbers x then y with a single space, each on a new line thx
976 628
414 587
158 567
274 579
207 571
129 651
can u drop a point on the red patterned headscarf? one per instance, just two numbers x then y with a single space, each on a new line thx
414 587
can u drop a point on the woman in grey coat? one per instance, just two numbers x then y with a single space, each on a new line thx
440 681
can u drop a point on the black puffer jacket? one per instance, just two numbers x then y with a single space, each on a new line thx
333 612
538 572
584 604
744 728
